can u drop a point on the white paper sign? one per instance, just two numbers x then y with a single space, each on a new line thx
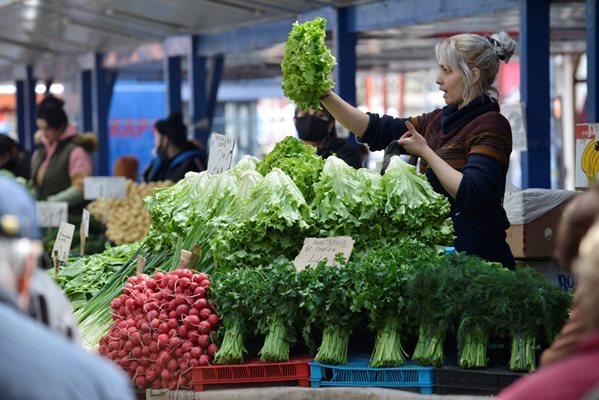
97 187
85 223
317 249
516 116
62 245
51 214
221 153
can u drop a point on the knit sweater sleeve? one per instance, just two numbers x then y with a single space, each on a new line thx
382 130
482 184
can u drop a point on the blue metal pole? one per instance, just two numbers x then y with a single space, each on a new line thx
30 125
344 44
86 101
20 100
197 85
172 77
103 84
592 65
534 92
217 71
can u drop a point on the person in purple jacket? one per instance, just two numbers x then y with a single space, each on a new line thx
463 148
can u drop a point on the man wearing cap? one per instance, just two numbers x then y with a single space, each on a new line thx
37 363
317 128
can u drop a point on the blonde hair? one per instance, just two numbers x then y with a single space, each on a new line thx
468 50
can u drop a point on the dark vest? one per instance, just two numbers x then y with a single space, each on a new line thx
56 178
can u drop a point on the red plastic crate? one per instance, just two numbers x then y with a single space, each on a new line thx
296 369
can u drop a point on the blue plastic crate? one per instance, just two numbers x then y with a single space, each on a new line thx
357 373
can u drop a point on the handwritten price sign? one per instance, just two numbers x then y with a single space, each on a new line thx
62 245
99 187
221 153
317 249
51 214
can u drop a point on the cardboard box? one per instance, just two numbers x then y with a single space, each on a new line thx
562 278
535 239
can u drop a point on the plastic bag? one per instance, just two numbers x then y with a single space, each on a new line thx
523 206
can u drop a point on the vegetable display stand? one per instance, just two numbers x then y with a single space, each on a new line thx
296 369
490 381
357 373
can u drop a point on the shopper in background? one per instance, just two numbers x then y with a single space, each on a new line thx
175 154
63 157
578 374
575 222
13 158
36 362
317 128
464 148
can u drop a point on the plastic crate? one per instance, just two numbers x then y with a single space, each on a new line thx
455 380
296 369
357 373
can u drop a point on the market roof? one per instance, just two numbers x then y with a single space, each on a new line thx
53 33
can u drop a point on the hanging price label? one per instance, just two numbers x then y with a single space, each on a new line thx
62 245
98 187
84 230
317 249
50 214
221 153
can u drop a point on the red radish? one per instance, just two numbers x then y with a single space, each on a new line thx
162 339
204 360
199 291
194 311
192 320
213 320
172 314
165 374
212 349
205 313
201 303
172 364
182 309
204 341
194 362
205 283
140 381
193 336
196 352
204 327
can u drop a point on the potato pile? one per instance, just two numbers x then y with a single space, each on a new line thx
126 219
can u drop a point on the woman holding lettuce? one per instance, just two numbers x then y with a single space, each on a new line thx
464 148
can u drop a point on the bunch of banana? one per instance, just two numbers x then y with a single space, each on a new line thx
590 161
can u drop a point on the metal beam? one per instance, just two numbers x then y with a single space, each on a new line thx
20 103
592 59
86 101
172 78
218 63
344 44
534 92
196 73
30 124
102 88
394 13
254 37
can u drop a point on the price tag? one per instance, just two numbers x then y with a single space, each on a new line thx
221 153
51 214
141 264
84 230
98 187
62 245
317 249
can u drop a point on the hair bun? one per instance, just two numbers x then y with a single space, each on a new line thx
503 44
52 101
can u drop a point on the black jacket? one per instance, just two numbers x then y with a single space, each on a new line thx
342 149
175 168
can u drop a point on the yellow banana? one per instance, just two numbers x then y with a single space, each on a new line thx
589 161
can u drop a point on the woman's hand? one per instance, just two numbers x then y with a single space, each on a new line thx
413 142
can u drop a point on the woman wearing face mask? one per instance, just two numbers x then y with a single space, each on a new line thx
175 155
13 158
317 128
464 148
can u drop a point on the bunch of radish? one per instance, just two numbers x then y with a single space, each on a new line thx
162 328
